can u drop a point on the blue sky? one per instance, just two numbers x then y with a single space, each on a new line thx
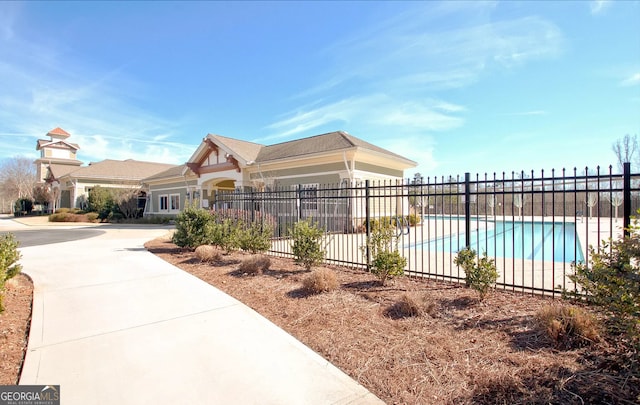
455 86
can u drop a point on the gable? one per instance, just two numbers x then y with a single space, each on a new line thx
211 157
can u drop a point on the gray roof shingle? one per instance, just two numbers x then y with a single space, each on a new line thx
120 169
332 141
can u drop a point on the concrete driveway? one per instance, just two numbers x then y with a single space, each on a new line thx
114 324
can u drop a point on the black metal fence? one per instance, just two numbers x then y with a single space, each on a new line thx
535 227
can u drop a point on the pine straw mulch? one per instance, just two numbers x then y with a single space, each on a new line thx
14 327
461 352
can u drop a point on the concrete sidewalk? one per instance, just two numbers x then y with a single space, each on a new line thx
114 324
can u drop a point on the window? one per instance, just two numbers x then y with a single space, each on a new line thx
309 197
175 202
164 203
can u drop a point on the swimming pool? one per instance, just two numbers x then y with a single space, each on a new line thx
528 240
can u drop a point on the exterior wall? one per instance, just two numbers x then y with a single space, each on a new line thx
299 171
321 179
41 171
366 167
160 197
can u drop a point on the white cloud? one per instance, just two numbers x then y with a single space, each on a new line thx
422 117
405 51
528 113
388 72
632 80
380 110
599 6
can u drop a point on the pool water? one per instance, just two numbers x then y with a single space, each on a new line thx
547 241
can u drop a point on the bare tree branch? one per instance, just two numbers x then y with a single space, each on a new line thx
17 177
625 149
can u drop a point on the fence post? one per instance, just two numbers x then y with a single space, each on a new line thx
367 221
467 209
626 197
299 201
253 206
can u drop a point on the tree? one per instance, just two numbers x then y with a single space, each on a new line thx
17 177
101 201
416 193
42 195
592 201
127 202
625 149
518 201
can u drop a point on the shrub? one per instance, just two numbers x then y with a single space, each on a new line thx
101 201
568 326
72 216
414 219
79 218
381 252
231 230
612 281
207 253
61 217
92 216
9 266
306 243
410 305
388 264
256 264
62 210
245 216
319 281
114 217
194 227
480 274
256 238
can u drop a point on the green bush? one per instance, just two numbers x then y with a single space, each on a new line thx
101 200
388 264
9 266
62 210
612 281
414 219
256 238
194 227
306 243
381 251
480 274
397 221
